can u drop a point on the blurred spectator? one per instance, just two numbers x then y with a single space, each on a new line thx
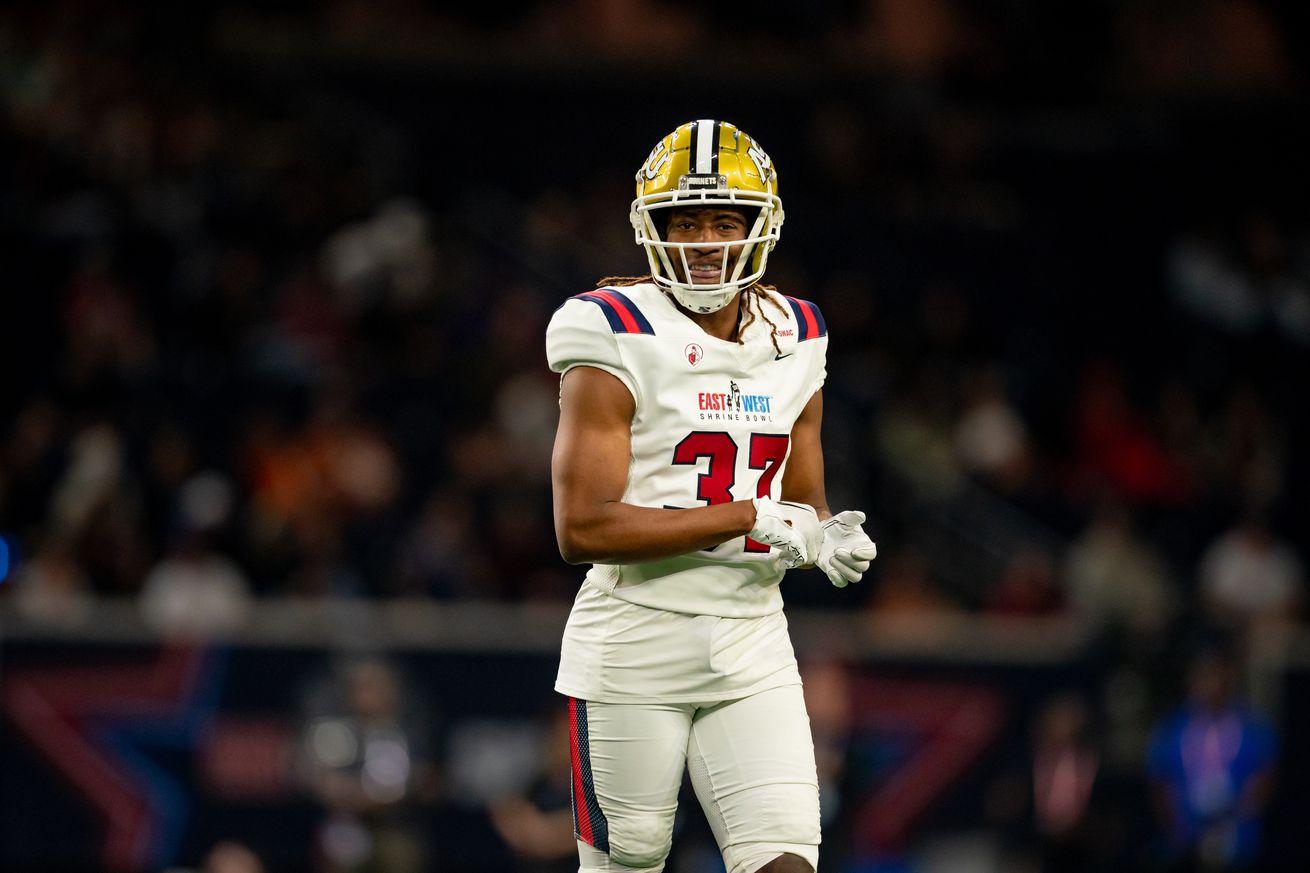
194 589
225 856
1066 770
1244 286
536 822
108 340
909 607
324 495
365 758
51 590
441 555
991 439
1116 580
1212 765
526 409
94 475
914 436
231 857
1208 283
1116 445
389 255
906 587
1252 581
95 507
1054 809
1250 457
828 702
336 464
1027 587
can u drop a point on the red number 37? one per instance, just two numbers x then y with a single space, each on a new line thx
767 450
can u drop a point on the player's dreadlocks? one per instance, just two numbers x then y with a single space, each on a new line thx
751 294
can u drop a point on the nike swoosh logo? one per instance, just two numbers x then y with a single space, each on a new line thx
780 357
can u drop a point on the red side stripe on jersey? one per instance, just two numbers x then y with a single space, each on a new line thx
581 820
624 313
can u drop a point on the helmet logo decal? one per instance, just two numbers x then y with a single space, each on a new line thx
659 156
695 354
763 164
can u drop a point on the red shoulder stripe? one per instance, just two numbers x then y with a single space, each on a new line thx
625 314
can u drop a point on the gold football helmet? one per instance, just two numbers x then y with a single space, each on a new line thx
707 163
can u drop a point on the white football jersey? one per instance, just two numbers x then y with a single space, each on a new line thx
712 424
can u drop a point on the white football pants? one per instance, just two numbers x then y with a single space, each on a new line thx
751 762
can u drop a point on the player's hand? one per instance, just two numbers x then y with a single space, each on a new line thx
791 528
846 550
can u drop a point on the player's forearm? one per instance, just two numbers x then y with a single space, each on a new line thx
620 533
814 499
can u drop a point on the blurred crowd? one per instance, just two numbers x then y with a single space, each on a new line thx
267 338
278 282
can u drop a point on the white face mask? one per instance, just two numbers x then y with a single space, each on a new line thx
663 255
702 296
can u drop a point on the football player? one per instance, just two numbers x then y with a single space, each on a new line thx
688 471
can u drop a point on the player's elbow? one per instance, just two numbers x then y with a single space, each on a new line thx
569 551
580 539
574 545
575 553
586 533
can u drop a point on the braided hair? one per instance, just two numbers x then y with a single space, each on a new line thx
753 297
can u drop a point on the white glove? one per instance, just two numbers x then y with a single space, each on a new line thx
792 528
846 550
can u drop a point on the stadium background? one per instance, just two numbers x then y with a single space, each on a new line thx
275 421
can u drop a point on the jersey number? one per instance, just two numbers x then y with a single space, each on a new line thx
767 451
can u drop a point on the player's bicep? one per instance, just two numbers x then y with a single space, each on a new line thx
802 481
593 445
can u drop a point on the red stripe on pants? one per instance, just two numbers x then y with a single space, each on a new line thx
579 798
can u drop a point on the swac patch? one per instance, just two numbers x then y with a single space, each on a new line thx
809 319
622 314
